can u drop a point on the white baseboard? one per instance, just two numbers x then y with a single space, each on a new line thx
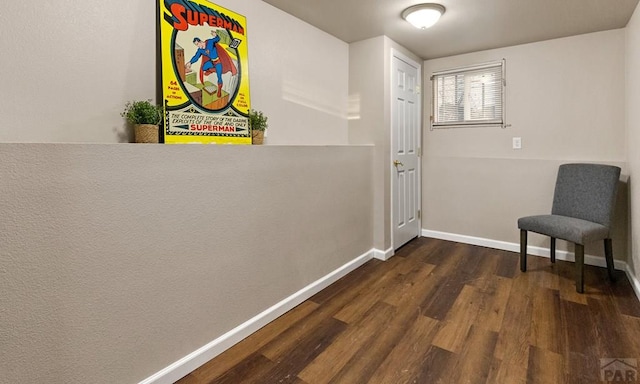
187 364
383 255
598 261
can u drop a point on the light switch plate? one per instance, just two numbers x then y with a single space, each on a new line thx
517 143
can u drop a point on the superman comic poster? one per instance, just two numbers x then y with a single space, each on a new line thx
205 82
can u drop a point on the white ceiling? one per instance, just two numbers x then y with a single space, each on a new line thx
466 26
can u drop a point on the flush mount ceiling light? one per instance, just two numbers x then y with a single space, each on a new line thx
423 16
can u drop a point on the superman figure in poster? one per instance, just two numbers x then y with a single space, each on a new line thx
213 59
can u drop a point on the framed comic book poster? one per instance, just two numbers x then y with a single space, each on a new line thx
205 82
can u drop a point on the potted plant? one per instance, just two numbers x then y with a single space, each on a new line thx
145 117
258 124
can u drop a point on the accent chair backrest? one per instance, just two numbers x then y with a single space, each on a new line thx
586 191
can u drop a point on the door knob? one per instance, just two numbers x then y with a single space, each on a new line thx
396 163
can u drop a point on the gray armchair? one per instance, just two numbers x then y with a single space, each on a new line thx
582 212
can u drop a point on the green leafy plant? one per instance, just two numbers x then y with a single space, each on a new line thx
142 112
257 120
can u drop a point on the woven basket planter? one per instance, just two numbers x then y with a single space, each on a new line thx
257 137
146 133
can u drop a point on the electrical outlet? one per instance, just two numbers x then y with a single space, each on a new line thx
517 143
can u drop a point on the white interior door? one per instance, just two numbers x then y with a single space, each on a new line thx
405 150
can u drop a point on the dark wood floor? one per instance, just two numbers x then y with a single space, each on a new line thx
443 312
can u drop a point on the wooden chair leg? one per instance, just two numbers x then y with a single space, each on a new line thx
523 250
579 268
552 249
608 254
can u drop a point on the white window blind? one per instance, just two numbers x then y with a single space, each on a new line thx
470 96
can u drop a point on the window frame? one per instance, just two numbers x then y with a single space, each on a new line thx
501 122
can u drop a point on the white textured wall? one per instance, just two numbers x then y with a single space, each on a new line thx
68 68
367 121
118 260
299 76
565 99
633 132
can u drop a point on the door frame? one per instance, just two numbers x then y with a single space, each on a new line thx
395 54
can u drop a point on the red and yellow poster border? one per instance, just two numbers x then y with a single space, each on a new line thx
204 73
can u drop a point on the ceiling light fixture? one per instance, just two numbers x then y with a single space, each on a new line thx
423 16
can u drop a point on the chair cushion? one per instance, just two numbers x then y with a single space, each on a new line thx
562 227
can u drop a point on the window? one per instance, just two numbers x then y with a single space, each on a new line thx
471 96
